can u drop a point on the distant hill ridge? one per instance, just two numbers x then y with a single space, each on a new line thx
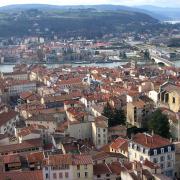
156 12
67 21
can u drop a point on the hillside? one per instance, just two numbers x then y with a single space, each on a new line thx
25 20
166 12
104 7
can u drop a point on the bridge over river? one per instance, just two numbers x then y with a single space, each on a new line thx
158 60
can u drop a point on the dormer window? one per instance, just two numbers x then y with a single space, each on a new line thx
135 147
162 150
169 148
155 152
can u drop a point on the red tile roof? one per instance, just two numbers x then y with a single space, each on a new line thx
151 141
7 116
119 142
69 159
23 175
99 169
14 158
24 145
150 164
115 168
35 157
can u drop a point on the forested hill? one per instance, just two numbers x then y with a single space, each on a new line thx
70 22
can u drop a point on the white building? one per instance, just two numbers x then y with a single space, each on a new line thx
155 149
100 131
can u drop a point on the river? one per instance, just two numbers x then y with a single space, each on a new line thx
9 68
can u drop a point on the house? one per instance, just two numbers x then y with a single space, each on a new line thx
116 131
154 148
137 111
97 109
46 121
119 145
35 160
100 131
24 147
67 166
80 130
8 119
11 162
107 157
32 132
145 170
107 171
169 96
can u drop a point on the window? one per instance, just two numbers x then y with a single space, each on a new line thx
86 174
155 152
98 176
47 176
162 158
99 141
107 175
174 100
66 174
78 167
169 148
60 175
46 168
78 175
104 130
162 150
99 135
162 166
54 176
169 156
169 164
155 160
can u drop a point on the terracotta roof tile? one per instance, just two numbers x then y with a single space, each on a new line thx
151 141
23 175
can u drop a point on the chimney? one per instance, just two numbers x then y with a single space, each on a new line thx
146 138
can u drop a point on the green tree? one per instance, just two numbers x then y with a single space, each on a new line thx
159 123
119 117
115 117
108 112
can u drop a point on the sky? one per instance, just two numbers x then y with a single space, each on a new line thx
162 3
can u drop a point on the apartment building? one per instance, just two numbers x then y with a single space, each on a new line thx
67 166
153 148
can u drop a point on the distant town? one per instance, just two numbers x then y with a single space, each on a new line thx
77 107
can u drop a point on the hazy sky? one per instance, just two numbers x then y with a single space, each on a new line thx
164 3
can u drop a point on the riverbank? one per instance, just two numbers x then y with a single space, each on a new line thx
9 67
